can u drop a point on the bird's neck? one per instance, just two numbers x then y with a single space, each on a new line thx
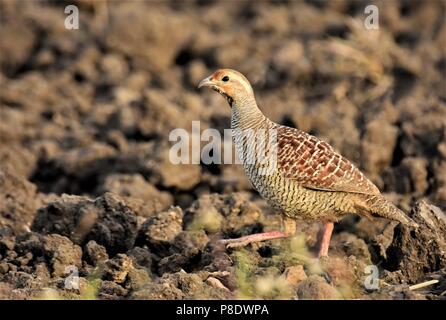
246 114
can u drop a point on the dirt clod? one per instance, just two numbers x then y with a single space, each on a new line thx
107 220
117 269
418 252
94 253
316 288
160 230
294 275
63 255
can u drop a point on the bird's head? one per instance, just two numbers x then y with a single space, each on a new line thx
230 84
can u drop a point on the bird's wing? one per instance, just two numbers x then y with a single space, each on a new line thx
314 164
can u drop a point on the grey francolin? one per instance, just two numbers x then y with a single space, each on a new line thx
303 177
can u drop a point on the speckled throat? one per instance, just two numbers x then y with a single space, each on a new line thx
226 96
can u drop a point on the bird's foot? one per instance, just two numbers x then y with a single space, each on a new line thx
257 237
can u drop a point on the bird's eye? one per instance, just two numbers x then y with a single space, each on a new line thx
225 79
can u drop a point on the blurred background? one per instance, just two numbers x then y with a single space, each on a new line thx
89 110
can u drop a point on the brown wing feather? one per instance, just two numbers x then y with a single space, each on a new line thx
314 164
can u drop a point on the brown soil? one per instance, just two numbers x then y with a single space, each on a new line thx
85 179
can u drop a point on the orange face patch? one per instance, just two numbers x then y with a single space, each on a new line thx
217 75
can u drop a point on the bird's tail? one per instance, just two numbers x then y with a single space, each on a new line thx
377 205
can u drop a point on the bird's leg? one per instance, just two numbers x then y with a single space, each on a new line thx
325 239
288 226
257 237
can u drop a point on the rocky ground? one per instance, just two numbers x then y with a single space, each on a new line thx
87 191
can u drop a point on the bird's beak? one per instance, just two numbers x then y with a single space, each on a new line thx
206 82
